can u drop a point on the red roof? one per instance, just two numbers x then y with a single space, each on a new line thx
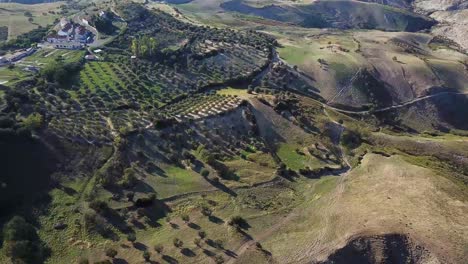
56 36
81 30
67 27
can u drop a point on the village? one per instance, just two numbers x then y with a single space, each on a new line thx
69 35
65 35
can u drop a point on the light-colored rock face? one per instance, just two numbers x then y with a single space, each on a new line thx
427 6
453 25
452 16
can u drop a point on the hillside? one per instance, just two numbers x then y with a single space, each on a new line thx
324 14
237 131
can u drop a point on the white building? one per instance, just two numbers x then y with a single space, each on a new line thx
66 30
56 38
63 22
68 45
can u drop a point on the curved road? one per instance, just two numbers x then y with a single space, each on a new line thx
383 109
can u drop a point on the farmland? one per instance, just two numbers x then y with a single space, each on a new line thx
20 18
237 132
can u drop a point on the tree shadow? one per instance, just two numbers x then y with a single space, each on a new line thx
109 234
170 259
119 261
140 246
117 221
215 219
213 244
138 224
221 186
194 226
69 191
154 169
188 252
230 253
209 253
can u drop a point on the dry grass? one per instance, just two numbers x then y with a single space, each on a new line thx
382 195
12 15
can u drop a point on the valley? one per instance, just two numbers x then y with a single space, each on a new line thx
235 131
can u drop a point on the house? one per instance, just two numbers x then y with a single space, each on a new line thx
66 30
22 54
4 61
55 38
81 34
91 57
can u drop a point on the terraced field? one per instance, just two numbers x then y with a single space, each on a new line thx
202 106
344 143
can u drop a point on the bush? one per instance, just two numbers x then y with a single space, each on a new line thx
111 253
131 237
351 139
100 207
22 243
186 218
159 248
206 211
202 234
238 222
61 72
178 243
218 259
205 172
33 121
146 255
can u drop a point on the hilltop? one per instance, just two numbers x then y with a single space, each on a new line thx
236 132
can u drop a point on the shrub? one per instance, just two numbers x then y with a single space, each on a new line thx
206 211
159 248
33 121
205 172
178 243
218 259
100 207
351 139
83 260
202 234
131 237
22 243
238 222
111 253
186 218
146 255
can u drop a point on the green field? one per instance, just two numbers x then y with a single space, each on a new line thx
11 76
176 181
13 16
289 155
45 56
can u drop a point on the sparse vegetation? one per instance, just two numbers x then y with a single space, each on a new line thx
144 151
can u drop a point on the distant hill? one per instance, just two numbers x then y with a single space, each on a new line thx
338 14
28 1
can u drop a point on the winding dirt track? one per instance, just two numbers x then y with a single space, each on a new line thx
315 246
393 106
